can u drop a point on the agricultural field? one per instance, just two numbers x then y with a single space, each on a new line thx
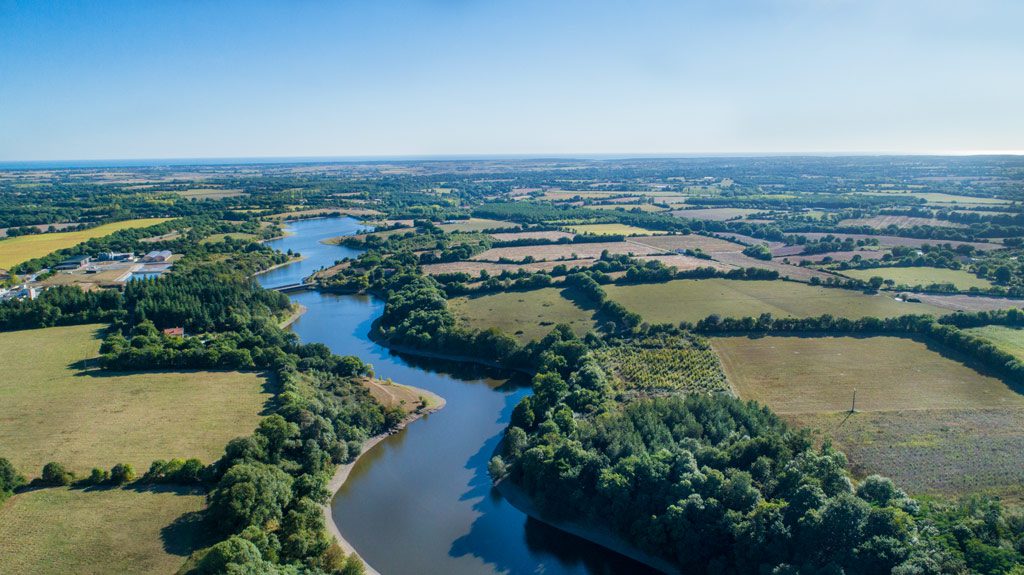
474 267
893 241
526 316
14 251
556 252
662 367
716 214
741 260
626 207
946 199
684 242
476 225
842 256
900 222
99 531
209 193
59 408
684 263
235 236
794 374
922 276
941 451
1005 338
964 302
553 235
693 300
610 230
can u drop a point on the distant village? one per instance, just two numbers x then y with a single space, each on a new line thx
103 270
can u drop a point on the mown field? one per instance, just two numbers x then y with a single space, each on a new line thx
99 531
923 276
715 214
565 251
476 225
210 193
694 300
1005 338
14 251
524 315
819 374
53 407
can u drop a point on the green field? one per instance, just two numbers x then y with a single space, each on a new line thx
98 531
51 409
235 236
476 225
610 230
662 366
819 374
923 276
524 315
1005 338
14 251
694 300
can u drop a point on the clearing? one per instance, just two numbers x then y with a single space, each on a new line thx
99 531
794 374
525 316
55 408
694 300
14 251
922 276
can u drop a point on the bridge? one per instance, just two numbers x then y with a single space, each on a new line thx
287 288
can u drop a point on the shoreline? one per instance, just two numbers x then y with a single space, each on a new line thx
274 267
402 349
519 499
343 471
297 312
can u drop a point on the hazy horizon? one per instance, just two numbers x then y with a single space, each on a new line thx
87 81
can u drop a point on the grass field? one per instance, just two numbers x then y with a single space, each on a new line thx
941 451
14 251
609 230
694 300
819 374
476 225
221 237
900 222
688 242
552 235
53 410
715 214
60 530
209 193
553 252
524 315
1005 338
923 276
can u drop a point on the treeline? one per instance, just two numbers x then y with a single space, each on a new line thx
61 305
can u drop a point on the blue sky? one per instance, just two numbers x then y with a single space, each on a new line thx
94 80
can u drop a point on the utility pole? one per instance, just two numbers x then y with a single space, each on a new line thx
853 406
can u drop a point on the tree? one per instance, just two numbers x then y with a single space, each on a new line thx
122 473
250 494
55 474
10 479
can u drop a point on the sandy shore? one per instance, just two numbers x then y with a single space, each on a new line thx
603 537
436 403
298 310
274 267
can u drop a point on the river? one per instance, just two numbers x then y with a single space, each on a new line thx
421 502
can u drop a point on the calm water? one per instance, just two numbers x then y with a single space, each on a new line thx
421 501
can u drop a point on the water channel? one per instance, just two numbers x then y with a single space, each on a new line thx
421 502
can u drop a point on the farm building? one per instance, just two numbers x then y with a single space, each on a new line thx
175 331
157 256
73 263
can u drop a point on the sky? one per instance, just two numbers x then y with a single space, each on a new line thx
186 79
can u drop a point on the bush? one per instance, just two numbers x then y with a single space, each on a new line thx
10 479
55 474
97 476
122 473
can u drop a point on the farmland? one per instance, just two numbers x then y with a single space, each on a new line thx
900 222
694 300
715 214
688 242
209 193
663 366
941 451
609 230
1005 338
922 276
818 374
14 251
474 267
58 409
98 531
524 315
475 225
555 252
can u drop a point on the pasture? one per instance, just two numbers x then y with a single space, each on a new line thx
555 252
794 374
922 276
99 531
209 193
14 251
682 242
474 267
553 235
940 451
525 316
694 300
715 214
1005 338
610 230
55 407
476 225
899 222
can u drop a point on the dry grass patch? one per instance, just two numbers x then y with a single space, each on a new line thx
474 268
556 252
819 374
14 251
688 242
922 276
99 531
611 230
476 225
53 408
899 222
553 235
716 214
209 193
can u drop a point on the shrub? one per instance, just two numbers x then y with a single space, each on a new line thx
122 473
55 474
